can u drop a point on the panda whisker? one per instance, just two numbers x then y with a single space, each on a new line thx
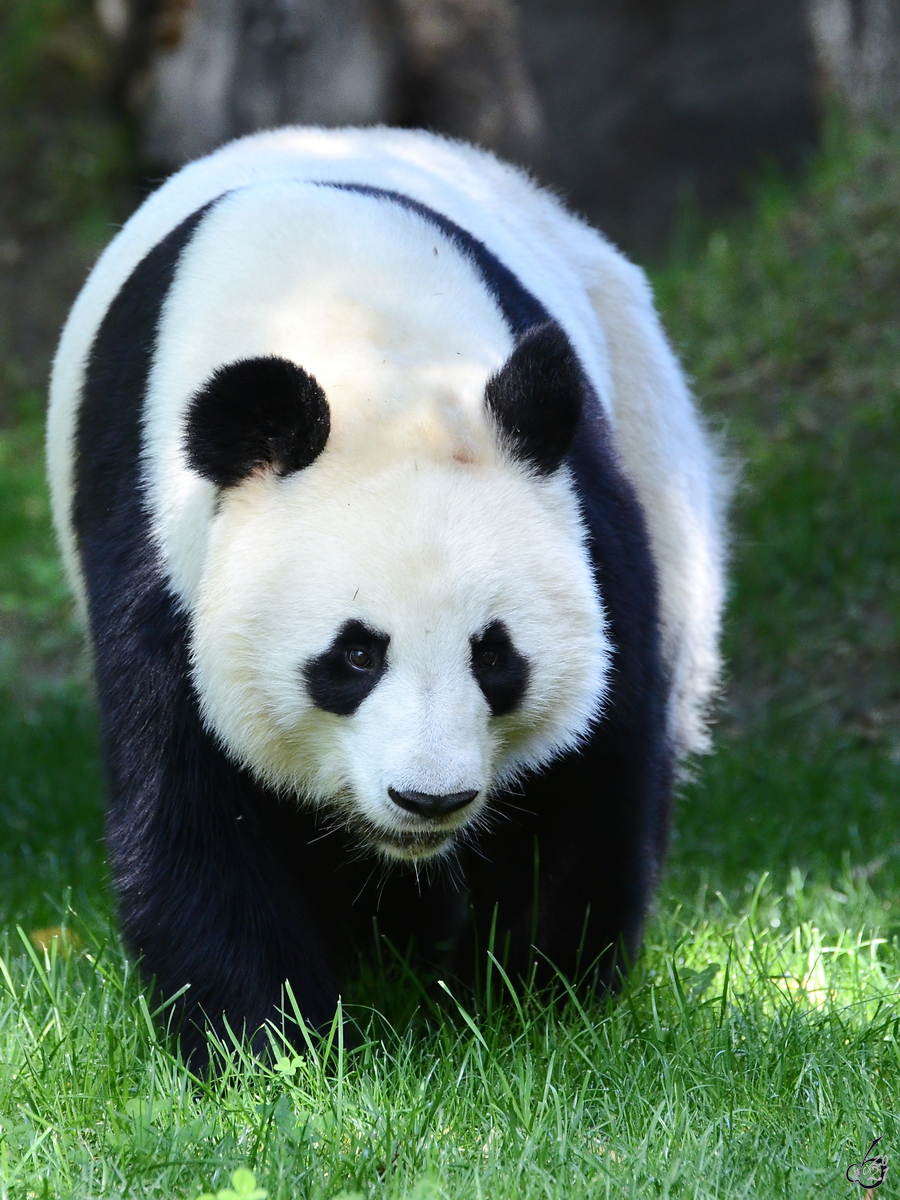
361 852
385 875
472 844
328 833
366 882
455 868
468 837
504 808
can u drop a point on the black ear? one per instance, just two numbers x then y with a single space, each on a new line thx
258 412
536 397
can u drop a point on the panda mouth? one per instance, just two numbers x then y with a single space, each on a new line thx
410 846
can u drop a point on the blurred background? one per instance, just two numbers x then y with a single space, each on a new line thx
745 151
643 114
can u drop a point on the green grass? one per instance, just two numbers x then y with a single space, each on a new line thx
756 1050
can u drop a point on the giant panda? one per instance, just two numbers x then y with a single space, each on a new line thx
398 542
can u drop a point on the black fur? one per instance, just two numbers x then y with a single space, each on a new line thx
501 671
224 887
338 684
259 412
536 397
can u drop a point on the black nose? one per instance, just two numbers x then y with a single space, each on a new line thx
424 805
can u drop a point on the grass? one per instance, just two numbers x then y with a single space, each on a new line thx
756 1050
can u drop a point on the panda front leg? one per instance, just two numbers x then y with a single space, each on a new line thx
220 891
224 889
562 885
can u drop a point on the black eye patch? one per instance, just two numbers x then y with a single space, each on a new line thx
340 678
500 670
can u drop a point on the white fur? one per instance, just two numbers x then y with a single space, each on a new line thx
388 317
429 552
439 532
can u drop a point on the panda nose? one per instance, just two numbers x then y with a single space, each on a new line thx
424 805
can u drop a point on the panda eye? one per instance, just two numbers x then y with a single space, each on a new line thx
486 657
339 679
359 659
499 669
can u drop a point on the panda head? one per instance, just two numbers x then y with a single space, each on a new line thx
393 627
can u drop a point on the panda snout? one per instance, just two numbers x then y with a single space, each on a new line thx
422 804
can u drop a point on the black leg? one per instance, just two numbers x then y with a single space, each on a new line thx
221 885
564 886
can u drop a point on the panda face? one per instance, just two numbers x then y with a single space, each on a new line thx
394 651
355 475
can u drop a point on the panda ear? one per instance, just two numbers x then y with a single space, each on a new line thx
536 397
258 412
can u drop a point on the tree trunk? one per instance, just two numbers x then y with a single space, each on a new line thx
199 72
858 47
638 107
